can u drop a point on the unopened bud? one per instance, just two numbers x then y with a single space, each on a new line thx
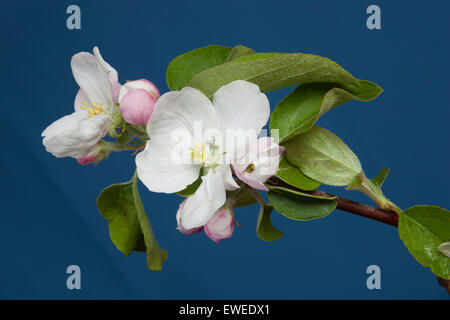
98 153
221 225
137 100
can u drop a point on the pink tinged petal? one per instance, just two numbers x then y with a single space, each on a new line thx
201 206
144 84
151 88
244 177
74 135
180 227
98 153
264 155
221 225
87 159
137 106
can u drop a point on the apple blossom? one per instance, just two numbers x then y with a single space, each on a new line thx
176 153
221 224
137 99
76 134
259 164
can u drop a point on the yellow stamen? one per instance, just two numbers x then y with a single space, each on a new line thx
96 108
250 168
198 152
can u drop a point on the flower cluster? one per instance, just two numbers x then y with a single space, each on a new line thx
188 138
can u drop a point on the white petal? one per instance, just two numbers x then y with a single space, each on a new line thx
229 182
208 198
74 135
112 72
184 108
81 99
113 76
157 171
165 165
241 105
93 79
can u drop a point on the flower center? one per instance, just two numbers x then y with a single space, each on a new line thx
96 108
207 154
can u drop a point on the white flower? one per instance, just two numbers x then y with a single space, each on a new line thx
176 151
76 134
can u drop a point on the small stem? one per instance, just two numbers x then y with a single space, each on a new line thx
231 201
142 135
122 147
257 197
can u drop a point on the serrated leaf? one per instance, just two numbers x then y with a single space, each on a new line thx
272 71
264 228
323 157
181 69
423 229
294 176
128 224
301 109
300 206
239 51
381 177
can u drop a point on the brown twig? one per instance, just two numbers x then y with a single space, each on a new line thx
388 217
445 283
363 210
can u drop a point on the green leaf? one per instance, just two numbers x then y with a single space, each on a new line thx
129 227
190 189
322 156
294 176
239 51
245 199
272 71
264 228
423 229
301 109
300 206
381 176
181 69
116 205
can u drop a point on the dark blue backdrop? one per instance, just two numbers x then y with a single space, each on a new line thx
49 219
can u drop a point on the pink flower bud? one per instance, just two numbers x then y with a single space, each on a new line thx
98 153
137 100
180 226
221 225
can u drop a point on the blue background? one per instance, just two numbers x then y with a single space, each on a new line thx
49 219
